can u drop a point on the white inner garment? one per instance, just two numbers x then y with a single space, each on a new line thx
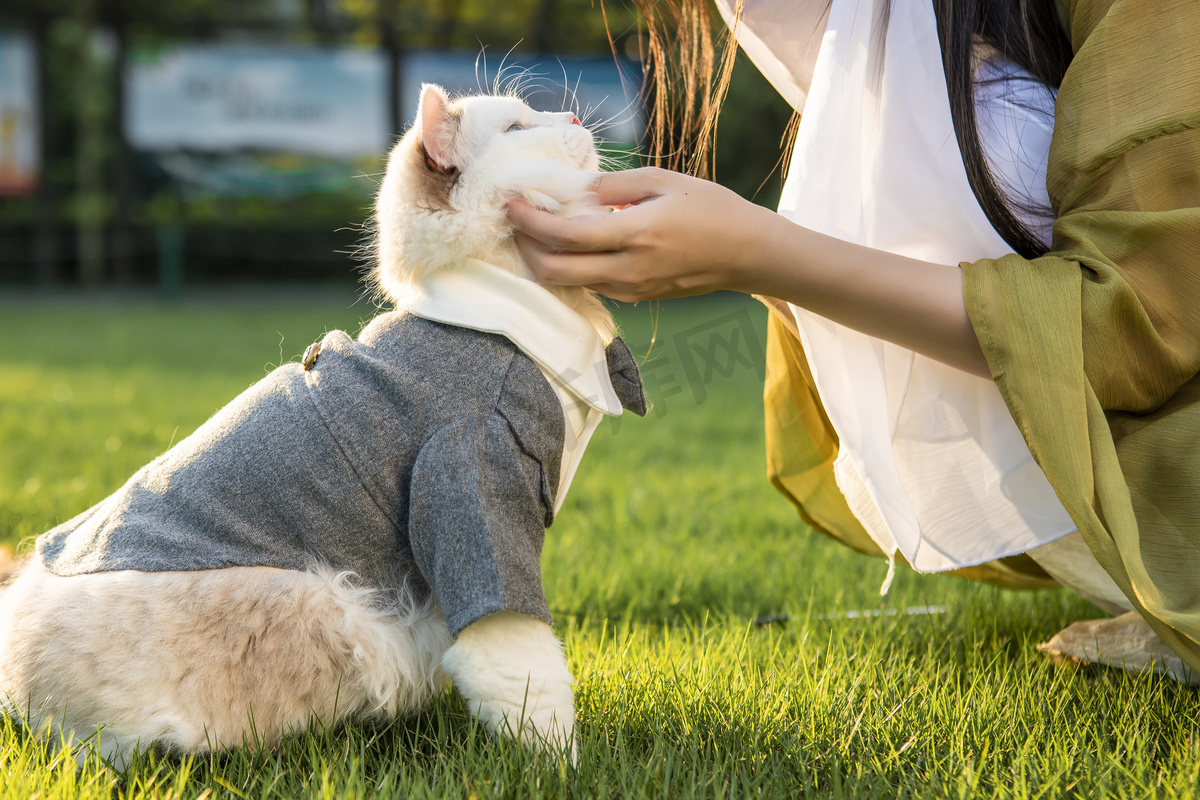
566 348
930 460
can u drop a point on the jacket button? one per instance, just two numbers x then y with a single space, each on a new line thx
310 356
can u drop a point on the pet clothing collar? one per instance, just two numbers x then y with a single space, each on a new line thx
478 295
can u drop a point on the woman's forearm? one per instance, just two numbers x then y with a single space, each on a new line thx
915 304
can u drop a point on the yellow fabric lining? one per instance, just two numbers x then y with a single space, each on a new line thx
1095 347
802 446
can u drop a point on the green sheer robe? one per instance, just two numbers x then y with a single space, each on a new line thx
1095 346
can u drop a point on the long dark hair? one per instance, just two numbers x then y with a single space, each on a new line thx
1026 32
689 77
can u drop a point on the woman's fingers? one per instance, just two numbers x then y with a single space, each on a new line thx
565 268
629 187
540 224
593 232
608 273
583 233
674 235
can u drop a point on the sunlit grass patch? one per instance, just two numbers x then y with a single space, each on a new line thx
669 547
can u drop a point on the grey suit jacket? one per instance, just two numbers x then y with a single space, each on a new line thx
423 457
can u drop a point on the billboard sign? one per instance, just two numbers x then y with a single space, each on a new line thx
256 119
222 97
19 123
279 120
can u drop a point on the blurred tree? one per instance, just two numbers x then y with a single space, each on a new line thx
90 184
541 25
95 58
752 136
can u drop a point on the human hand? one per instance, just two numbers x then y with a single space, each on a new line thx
675 235
672 235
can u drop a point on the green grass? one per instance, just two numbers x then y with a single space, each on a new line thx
670 544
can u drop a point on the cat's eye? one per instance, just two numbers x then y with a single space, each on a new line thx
516 126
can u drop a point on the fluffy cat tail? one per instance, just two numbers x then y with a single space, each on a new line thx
210 658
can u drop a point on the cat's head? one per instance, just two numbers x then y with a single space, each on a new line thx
448 180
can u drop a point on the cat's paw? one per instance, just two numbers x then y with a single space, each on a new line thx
546 721
511 671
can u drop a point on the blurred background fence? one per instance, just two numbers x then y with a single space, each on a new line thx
198 142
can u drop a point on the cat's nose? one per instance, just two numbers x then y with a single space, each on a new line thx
575 120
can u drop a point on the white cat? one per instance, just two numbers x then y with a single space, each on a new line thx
197 658
443 195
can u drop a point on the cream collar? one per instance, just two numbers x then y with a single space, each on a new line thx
481 296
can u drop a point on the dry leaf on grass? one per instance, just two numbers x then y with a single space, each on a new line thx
1126 642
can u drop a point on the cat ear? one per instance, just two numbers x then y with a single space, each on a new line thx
438 126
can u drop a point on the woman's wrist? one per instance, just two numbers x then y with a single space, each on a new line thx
765 249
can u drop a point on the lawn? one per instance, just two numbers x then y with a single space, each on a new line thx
669 547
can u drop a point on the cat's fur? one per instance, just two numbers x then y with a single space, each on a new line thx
444 193
215 658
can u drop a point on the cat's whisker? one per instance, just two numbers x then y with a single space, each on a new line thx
497 84
524 84
616 151
573 91
513 80
599 129
612 163
480 78
589 111
627 114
